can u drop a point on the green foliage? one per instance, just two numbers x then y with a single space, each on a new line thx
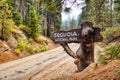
9 24
30 40
43 48
31 49
5 13
102 59
36 15
33 22
25 28
117 1
30 2
51 9
17 17
101 13
110 34
5 20
117 6
22 44
113 51
117 10
42 41
52 6
31 16
11 4
7 33
25 45
18 51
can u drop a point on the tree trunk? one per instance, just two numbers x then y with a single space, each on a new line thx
48 24
111 13
68 50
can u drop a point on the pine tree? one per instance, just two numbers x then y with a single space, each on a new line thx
17 17
5 16
33 22
117 10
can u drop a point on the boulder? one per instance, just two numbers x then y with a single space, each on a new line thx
12 43
3 46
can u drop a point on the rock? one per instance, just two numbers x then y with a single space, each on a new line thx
3 46
12 43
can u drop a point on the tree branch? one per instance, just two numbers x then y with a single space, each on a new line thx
68 50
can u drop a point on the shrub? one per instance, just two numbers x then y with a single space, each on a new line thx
30 40
31 49
22 44
110 34
25 29
36 35
6 33
18 51
42 41
14 30
102 59
33 22
7 29
38 50
17 17
113 51
43 48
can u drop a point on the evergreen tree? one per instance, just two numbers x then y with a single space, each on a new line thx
17 17
99 12
5 16
33 22
117 10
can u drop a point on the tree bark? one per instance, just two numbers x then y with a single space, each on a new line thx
48 24
68 50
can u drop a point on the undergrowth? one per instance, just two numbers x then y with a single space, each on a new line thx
112 52
110 34
42 41
26 45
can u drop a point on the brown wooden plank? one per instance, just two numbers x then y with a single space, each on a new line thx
67 36
74 36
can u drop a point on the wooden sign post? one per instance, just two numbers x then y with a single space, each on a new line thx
87 35
67 36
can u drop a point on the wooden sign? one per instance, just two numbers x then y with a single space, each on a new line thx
74 36
97 36
66 36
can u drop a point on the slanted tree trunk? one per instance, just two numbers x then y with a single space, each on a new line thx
68 50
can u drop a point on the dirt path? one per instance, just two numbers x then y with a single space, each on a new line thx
61 72
51 65
58 72
66 71
24 69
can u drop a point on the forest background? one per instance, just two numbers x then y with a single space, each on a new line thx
43 17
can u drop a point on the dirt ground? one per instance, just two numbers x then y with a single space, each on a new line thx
67 71
10 55
110 71
59 73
